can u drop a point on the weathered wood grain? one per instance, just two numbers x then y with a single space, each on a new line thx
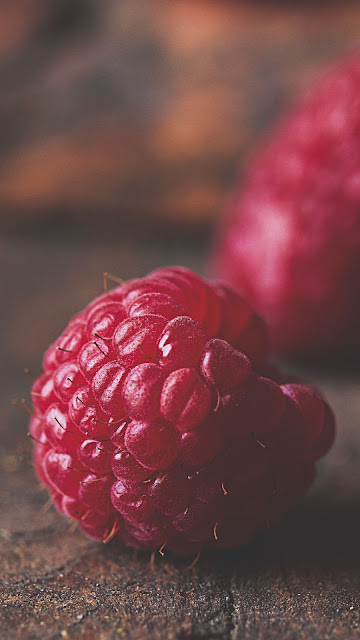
298 582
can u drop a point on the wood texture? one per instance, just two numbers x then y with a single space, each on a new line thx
298 582
125 110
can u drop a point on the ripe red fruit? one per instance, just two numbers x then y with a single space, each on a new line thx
152 427
291 239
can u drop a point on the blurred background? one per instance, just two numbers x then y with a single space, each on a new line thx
123 124
135 114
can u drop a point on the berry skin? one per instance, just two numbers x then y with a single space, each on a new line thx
290 241
158 420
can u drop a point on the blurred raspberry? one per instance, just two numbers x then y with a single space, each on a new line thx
291 240
151 426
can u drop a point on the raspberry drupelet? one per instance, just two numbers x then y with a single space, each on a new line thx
153 423
290 239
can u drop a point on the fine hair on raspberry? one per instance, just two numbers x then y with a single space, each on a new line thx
158 420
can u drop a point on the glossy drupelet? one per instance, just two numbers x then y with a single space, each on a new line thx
154 425
290 240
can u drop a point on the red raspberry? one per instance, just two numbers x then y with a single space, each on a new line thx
151 427
291 238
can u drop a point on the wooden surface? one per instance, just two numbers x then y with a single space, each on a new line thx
298 582
142 110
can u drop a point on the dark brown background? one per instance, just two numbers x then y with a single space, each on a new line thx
143 109
121 126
